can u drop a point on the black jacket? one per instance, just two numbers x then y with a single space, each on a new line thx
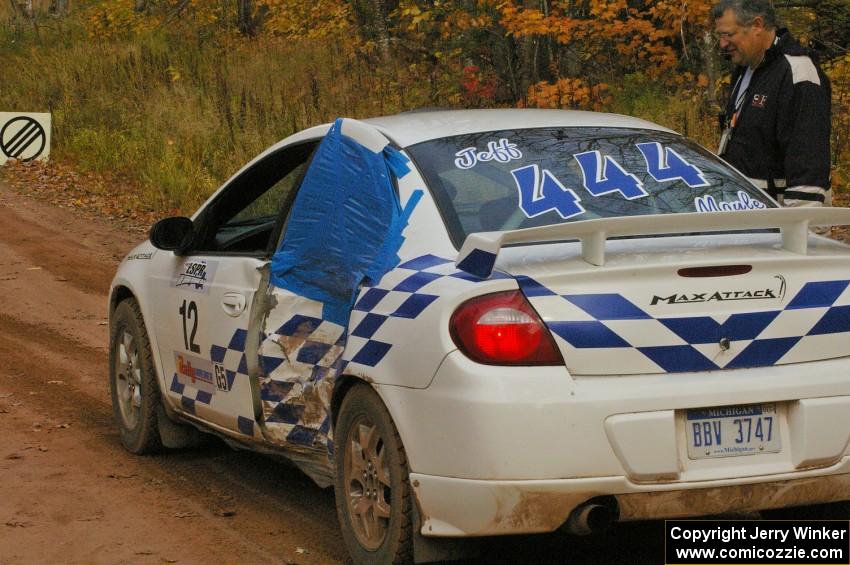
781 136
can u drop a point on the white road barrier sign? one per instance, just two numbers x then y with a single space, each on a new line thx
24 136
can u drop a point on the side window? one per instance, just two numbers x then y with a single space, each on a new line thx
269 203
247 215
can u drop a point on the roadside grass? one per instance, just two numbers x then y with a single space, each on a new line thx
174 113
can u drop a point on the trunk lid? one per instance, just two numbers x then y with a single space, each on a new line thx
701 303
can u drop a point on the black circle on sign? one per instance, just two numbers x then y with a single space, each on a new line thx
16 144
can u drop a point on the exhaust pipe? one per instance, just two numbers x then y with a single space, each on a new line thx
594 516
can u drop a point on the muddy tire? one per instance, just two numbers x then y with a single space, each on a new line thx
132 380
372 489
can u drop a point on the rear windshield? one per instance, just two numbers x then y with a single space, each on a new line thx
512 179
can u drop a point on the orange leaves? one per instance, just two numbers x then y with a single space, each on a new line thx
116 19
521 21
608 9
307 19
646 37
568 93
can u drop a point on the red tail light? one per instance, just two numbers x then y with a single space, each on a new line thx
503 329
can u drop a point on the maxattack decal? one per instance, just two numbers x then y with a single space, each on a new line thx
724 295
195 275
502 151
195 372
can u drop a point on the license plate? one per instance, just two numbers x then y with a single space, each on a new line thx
731 431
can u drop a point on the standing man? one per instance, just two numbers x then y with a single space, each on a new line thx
777 121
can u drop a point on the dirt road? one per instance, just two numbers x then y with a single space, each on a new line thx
69 493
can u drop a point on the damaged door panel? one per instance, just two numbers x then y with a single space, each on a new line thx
344 233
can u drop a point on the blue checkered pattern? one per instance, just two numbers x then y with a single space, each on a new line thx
317 350
684 344
189 395
401 296
233 358
314 349
245 425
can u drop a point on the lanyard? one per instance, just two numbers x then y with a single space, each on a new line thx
739 102
741 96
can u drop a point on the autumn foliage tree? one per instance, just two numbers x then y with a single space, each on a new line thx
654 58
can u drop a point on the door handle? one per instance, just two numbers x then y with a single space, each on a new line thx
233 304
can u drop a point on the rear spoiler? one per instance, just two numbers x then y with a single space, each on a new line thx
479 251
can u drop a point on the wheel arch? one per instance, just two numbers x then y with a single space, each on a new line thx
119 294
344 383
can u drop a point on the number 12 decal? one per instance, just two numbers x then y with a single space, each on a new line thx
190 313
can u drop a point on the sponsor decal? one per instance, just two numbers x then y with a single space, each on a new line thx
195 275
502 151
139 257
195 372
709 203
724 295
759 100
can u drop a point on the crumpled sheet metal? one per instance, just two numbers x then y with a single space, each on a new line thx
300 359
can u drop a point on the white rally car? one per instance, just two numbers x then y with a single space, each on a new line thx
478 323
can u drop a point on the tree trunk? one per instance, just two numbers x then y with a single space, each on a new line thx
59 8
382 30
23 8
245 18
707 50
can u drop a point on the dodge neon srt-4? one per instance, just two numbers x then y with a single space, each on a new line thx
478 323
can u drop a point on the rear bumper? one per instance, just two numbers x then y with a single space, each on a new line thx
498 450
463 507
539 423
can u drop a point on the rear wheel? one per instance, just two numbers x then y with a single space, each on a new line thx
372 487
132 380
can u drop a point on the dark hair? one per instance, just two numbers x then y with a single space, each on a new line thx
747 10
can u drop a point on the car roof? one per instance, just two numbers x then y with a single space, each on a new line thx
416 126
410 128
